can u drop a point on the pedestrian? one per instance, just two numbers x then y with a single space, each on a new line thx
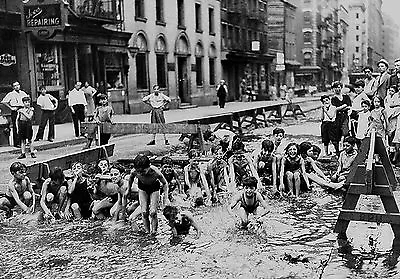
383 81
24 125
370 82
395 77
89 95
157 102
13 100
77 103
103 114
363 122
48 104
356 106
222 92
243 90
328 126
392 107
342 103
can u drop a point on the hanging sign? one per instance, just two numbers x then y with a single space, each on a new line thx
43 17
7 59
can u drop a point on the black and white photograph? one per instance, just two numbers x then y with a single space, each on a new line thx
212 139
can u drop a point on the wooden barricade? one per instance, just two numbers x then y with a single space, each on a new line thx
146 128
39 171
368 177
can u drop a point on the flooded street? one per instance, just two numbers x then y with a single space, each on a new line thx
294 240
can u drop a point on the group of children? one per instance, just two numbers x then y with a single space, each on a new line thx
108 190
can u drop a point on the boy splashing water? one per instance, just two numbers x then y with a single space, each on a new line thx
180 222
249 200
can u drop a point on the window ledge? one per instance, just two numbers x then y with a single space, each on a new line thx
212 33
199 31
182 27
142 19
199 86
160 22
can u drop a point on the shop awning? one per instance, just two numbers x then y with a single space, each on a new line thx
309 69
244 56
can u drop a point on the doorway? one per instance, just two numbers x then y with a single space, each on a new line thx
183 79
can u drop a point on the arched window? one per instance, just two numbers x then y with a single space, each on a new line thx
211 63
161 61
307 58
141 62
199 53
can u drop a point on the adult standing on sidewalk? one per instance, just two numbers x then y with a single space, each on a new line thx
48 104
222 92
89 95
383 79
13 100
157 101
370 82
77 103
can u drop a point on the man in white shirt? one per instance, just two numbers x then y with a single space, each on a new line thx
356 106
157 101
48 104
13 100
77 103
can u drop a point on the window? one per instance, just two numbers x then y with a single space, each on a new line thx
237 39
3 5
211 27
357 27
197 8
141 63
139 8
211 64
357 15
307 59
161 62
224 35
357 38
357 49
47 65
181 14
160 10
307 18
307 37
199 64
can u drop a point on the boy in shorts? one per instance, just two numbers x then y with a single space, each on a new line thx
24 124
328 126
19 191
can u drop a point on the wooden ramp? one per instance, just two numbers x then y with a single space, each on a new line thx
368 177
39 171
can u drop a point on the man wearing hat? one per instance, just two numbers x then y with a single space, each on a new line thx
383 79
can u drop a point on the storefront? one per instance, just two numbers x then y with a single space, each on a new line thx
78 49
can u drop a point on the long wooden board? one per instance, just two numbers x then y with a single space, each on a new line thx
144 128
92 155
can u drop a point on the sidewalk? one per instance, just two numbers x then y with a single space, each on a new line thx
65 132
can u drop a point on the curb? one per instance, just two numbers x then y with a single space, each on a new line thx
76 141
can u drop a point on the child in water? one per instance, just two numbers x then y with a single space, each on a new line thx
19 191
265 162
180 222
292 167
172 177
249 200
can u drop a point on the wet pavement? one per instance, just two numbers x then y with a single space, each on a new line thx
293 240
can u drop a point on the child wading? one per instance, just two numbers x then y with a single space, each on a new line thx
180 222
150 180
249 200
265 162
292 167
19 191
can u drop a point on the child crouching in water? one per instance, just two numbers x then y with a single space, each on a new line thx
249 200
180 222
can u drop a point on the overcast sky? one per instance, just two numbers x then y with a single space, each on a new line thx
392 8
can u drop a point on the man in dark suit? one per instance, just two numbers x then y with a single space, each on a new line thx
383 79
395 78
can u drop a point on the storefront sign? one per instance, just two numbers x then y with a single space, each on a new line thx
280 67
43 17
7 59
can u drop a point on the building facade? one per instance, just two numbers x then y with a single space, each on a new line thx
391 39
244 48
366 36
175 44
60 43
282 38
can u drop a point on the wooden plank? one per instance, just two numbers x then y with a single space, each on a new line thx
361 189
91 155
350 203
146 128
369 168
352 215
387 165
390 205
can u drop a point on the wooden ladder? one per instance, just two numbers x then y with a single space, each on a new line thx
367 177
